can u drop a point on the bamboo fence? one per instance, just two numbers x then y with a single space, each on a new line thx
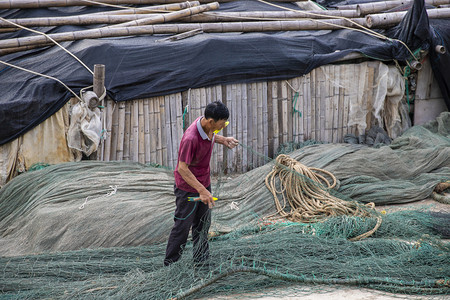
263 115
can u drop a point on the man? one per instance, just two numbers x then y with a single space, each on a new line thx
192 179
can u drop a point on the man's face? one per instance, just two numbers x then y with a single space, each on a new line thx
219 125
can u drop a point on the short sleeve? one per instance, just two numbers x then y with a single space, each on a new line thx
186 151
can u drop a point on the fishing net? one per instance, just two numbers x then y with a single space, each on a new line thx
99 229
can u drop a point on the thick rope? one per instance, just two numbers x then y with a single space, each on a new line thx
439 192
306 191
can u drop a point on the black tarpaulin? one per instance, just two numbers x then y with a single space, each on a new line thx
140 67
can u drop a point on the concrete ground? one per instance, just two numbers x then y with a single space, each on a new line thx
328 293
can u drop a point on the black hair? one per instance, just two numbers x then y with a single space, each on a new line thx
217 111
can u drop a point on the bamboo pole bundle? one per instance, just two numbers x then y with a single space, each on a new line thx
374 7
160 18
389 19
179 28
258 15
110 17
10 4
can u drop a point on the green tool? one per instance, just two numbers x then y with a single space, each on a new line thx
197 198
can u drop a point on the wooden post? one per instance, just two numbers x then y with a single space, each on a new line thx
99 80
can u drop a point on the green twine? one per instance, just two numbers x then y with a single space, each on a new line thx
182 219
407 72
38 166
184 114
294 104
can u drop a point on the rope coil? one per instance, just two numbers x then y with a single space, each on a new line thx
306 191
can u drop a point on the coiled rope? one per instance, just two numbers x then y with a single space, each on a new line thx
306 191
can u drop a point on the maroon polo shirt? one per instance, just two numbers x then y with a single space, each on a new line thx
195 150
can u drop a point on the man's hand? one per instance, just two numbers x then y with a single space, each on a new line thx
207 198
231 142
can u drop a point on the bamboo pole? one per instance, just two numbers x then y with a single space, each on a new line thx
162 121
127 136
347 7
389 19
10 4
181 36
135 131
73 20
268 15
114 130
163 18
121 132
8 29
109 120
243 140
158 131
142 135
440 49
23 48
374 7
149 9
179 28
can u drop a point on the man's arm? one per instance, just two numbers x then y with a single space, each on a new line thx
205 195
229 142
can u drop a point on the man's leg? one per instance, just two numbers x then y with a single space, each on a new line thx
200 228
184 216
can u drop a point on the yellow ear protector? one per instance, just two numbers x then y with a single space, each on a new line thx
217 131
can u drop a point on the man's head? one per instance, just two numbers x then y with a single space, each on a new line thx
217 111
216 114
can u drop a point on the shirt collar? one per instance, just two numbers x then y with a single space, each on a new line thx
200 129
